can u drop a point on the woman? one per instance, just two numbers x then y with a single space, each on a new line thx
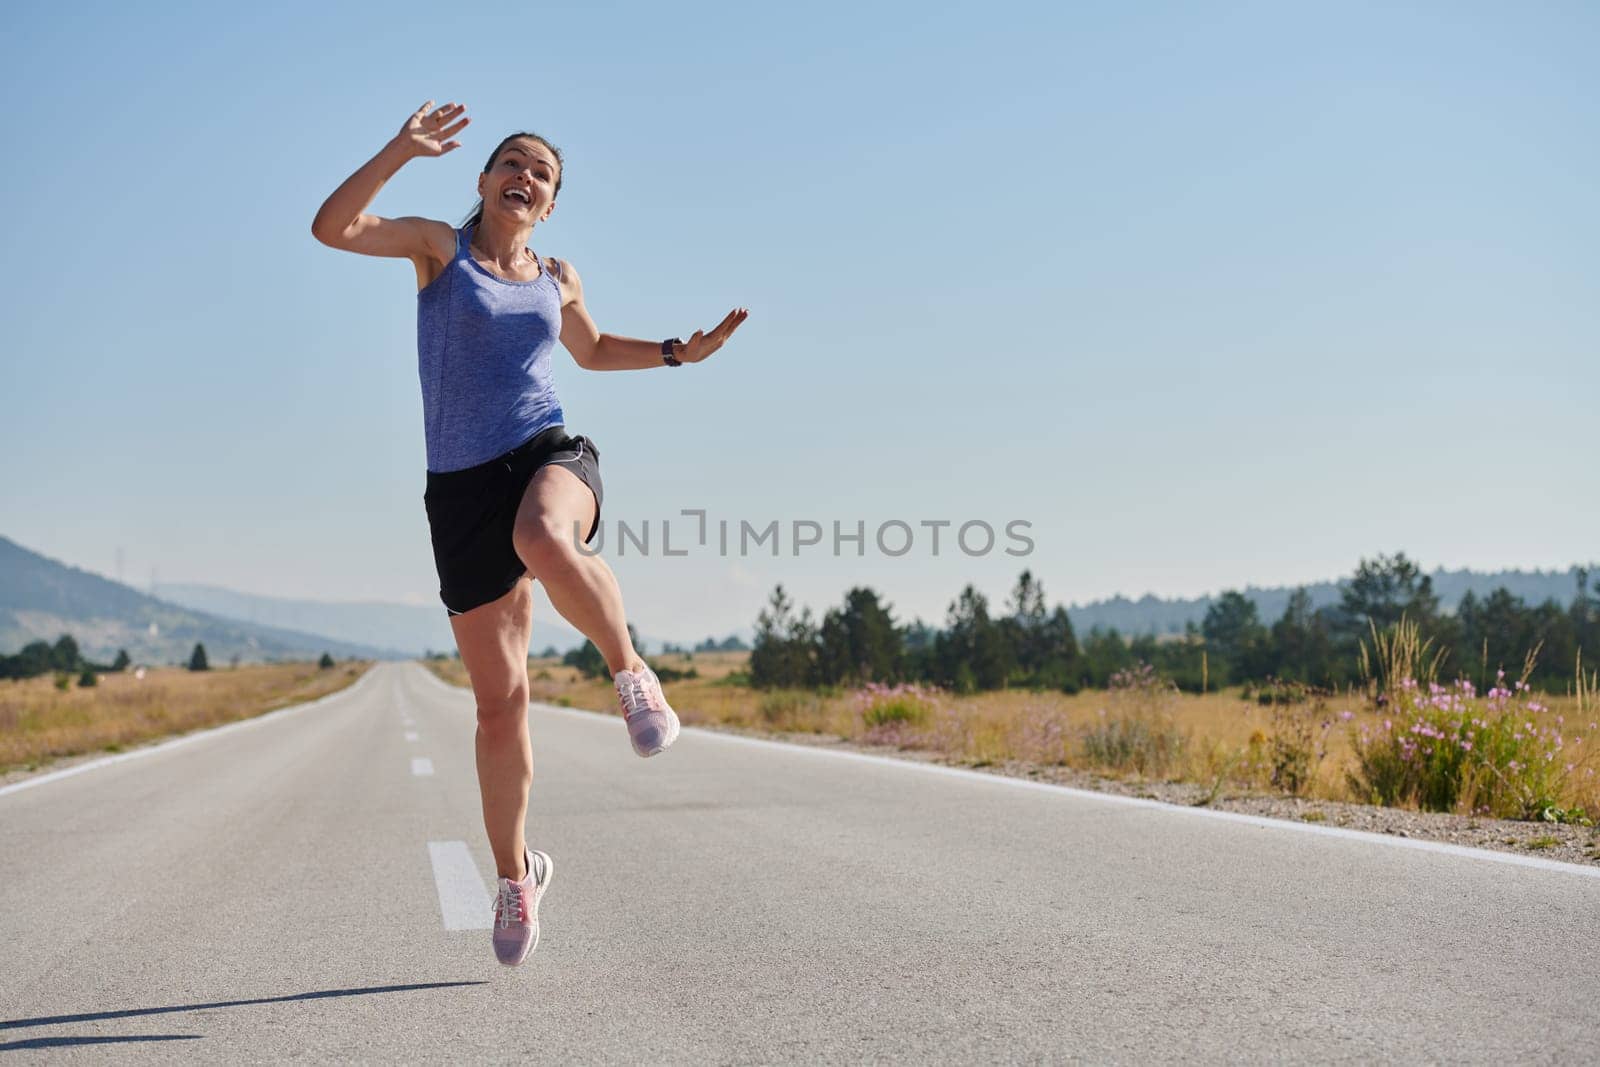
508 490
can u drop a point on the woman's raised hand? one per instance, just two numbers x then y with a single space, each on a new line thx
428 131
702 344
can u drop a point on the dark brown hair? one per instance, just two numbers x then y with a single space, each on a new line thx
561 168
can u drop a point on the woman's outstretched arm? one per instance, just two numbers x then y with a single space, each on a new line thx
342 224
593 350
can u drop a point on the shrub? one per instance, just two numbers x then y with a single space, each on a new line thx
322 664
1128 743
672 674
1446 748
880 705
789 709
1299 740
1141 736
88 679
588 660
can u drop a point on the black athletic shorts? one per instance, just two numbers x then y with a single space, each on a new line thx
471 514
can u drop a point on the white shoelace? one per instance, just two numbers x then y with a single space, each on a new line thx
635 694
508 908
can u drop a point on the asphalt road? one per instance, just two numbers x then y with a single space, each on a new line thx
314 885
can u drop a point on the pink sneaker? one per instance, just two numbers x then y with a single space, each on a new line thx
516 910
652 724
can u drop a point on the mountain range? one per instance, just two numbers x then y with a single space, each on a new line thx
41 598
415 628
1157 615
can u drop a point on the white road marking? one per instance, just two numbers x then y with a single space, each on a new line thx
463 900
422 767
1417 844
434 679
411 735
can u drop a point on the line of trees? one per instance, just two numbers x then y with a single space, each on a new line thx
731 643
1028 644
42 657
65 657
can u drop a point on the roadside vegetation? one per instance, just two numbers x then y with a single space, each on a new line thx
1525 756
55 715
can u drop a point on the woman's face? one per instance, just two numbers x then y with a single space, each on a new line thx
520 185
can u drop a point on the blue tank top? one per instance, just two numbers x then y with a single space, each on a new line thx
483 354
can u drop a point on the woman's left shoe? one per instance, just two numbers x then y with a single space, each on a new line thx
516 910
652 724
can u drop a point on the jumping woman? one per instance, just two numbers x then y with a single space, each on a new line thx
507 488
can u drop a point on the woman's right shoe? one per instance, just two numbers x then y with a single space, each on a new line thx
652 724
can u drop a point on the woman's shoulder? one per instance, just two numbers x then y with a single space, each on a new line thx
441 238
566 274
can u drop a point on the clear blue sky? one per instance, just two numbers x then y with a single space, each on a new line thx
1211 294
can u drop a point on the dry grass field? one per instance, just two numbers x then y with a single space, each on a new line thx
1216 739
40 722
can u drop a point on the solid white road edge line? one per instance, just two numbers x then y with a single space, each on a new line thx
440 682
186 739
463 900
1112 798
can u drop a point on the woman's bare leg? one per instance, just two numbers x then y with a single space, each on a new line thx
493 640
581 587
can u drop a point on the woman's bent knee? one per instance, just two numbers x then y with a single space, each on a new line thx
544 547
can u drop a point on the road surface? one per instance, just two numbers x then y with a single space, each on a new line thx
315 885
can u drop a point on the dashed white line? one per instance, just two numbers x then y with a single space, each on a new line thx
422 767
411 735
463 900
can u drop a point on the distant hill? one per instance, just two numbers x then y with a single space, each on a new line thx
1157 615
41 598
413 628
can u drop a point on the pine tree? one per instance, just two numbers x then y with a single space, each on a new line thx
973 653
197 661
785 652
1233 633
65 655
859 642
